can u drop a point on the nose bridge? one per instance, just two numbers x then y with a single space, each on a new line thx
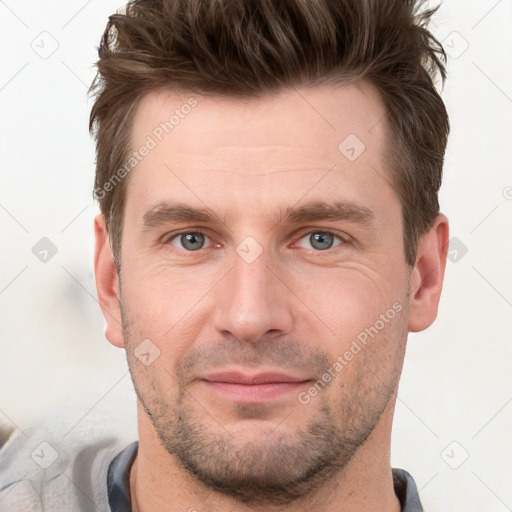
251 300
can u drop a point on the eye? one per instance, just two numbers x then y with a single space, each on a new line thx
320 240
190 240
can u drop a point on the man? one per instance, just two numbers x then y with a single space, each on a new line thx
267 174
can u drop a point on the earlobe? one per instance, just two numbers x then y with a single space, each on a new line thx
107 283
426 280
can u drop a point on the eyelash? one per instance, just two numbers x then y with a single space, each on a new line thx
323 232
167 240
344 240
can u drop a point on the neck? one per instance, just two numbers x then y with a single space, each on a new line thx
158 482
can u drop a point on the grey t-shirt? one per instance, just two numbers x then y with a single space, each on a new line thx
88 472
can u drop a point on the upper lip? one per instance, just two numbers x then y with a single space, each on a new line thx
258 378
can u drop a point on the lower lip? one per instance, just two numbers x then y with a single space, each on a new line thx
254 392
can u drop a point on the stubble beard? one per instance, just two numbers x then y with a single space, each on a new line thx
274 467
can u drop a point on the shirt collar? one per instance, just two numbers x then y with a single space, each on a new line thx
118 483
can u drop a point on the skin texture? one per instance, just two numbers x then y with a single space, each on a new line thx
294 309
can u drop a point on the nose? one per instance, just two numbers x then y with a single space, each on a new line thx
252 302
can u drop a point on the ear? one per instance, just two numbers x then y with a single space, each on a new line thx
107 283
426 279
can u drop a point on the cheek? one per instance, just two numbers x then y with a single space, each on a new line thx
153 349
169 307
162 297
368 354
351 298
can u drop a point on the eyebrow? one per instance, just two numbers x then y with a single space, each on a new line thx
164 213
337 211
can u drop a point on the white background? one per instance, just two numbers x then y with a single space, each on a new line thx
456 392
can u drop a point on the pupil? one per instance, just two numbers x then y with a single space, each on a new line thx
192 241
321 241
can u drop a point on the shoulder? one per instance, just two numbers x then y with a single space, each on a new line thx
52 466
406 491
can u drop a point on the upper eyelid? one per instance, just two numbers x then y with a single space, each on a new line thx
171 236
317 230
343 240
168 239
296 237
343 237
303 232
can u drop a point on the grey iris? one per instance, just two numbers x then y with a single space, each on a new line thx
321 241
192 241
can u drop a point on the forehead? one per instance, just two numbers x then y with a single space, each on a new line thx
319 117
261 148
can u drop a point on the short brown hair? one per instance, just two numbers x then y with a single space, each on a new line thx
248 48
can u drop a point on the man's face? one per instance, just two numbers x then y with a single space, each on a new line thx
258 252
